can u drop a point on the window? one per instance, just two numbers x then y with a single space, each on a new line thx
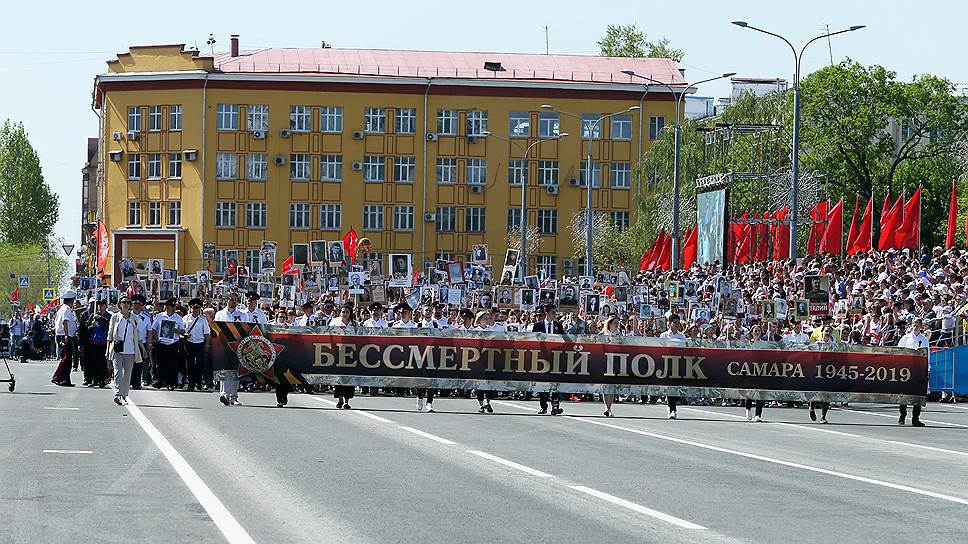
547 172
134 118
621 127
403 218
476 171
547 266
445 256
446 218
300 118
331 119
134 166
548 221
374 168
907 129
134 214
548 123
221 260
174 165
154 214
255 215
225 214
447 122
300 166
227 117
374 119
519 124
154 166
474 220
257 117
406 121
154 118
621 219
446 170
226 166
476 122
174 213
331 167
588 124
372 217
596 174
517 171
514 219
330 216
175 117
253 261
656 122
299 215
257 167
404 168
620 175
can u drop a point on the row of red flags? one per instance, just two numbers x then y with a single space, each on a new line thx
751 240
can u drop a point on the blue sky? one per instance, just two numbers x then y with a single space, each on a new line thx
51 51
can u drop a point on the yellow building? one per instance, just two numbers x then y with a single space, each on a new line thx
294 145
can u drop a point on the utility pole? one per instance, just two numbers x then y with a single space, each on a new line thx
547 42
830 48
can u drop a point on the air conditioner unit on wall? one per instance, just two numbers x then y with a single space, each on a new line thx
115 155
284 133
431 137
476 188
280 160
552 189
358 135
429 217
190 154
357 166
117 136
133 135
471 139
573 182
259 134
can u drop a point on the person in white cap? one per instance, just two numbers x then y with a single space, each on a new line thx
65 329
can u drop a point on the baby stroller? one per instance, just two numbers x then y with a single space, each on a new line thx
12 381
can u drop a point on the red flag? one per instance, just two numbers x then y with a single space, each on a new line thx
52 305
833 236
103 245
889 224
690 248
852 233
647 255
949 241
15 296
908 235
288 267
819 215
865 234
763 244
781 242
665 257
350 241
656 250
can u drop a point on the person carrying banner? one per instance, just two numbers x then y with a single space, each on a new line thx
229 386
610 329
65 330
914 339
197 335
674 333
343 393
483 322
549 325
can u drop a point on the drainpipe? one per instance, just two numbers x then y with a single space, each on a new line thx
99 173
201 248
423 229
638 189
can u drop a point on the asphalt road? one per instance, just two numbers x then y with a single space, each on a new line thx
180 467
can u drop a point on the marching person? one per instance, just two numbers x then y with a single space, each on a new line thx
343 393
168 328
431 321
142 368
549 326
229 385
197 337
377 319
16 329
611 329
483 323
65 330
96 344
748 404
914 339
125 346
306 319
674 332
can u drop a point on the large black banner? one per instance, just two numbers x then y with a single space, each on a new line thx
539 362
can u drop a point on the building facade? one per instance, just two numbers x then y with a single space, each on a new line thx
421 152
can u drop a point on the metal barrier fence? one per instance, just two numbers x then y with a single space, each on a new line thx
946 374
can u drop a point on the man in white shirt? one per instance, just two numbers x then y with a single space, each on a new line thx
168 328
306 319
403 313
197 335
376 320
914 339
796 335
142 370
674 332
65 329
252 313
230 378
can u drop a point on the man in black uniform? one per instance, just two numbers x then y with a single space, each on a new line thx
548 325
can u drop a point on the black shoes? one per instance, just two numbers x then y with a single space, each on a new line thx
481 410
542 411
339 405
813 415
557 411
900 420
223 399
608 413
916 423
488 408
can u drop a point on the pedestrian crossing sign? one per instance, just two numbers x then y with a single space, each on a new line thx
24 281
49 294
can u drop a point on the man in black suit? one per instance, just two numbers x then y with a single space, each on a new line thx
548 325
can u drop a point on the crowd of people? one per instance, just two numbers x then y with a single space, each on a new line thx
896 298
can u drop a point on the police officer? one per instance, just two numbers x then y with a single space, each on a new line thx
197 335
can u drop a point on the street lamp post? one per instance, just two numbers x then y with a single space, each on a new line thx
795 162
523 257
589 171
675 163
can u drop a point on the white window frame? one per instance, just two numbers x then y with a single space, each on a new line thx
253 260
174 166
447 122
403 218
226 166
547 264
331 167
446 219
300 166
514 219
134 212
300 215
330 217
515 168
621 127
620 175
587 122
656 124
548 221
154 165
154 214
134 118
256 215
476 122
549 124
374 168
406 121
373 217
475 171
175 117
174 213
134 166
622 219
374 120
257 167
154 118
519 124
301 118
257 117
446 170
475 219
404 169
596 174
547 173
331 119
227 117
225 215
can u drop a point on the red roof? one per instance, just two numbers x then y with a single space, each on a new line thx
449 64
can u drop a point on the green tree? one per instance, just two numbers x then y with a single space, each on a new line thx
30 260
629 41
28 208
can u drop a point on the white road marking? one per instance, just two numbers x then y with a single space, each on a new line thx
510 464
894 417
512 405
791 464
59 408
230 527
361 412
637 507
68 451
950 405
433 437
